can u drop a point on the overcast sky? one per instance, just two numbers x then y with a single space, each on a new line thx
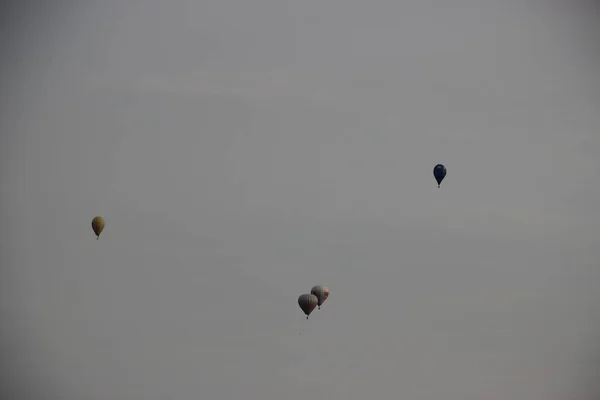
243 151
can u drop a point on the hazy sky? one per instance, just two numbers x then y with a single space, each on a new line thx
243 151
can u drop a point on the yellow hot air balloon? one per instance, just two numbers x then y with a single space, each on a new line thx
98 226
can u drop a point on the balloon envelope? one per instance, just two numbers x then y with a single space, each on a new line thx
439 173
307 303
322 293
98 226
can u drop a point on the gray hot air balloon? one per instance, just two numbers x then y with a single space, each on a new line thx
322 293
308 302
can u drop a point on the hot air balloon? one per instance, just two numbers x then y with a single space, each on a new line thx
308 302
322 293
439 172
98 226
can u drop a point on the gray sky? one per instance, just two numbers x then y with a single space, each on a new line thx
244 151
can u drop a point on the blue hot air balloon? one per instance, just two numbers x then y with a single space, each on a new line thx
439 172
